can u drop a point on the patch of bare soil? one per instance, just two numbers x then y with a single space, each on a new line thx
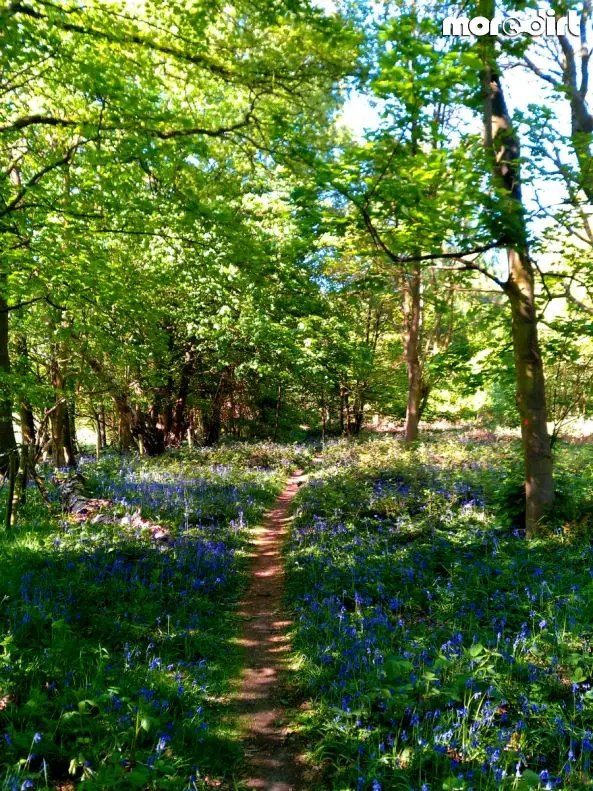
271 753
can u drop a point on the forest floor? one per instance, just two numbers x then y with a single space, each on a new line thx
385 625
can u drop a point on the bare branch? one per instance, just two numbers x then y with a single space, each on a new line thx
541 74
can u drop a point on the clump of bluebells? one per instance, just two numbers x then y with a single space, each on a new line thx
440 649
114 646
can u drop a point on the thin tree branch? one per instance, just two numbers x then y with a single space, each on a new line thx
66 159
541 74
37 120
24 304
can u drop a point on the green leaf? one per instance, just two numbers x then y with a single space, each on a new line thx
453 784
578 675
529 779
475 650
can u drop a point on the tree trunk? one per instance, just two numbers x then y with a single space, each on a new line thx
59 416
358 408
57 436
531 397
277 417
27 420
214 419
103 427
232 405
12 472
27 423
576 87
424 394
412 314
98 446
190 430
358 418
150 437
27 451
70 434
26 467
503 146
180 423
214 424
124 430
347 408
7 439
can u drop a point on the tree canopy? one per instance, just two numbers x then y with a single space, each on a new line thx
194 242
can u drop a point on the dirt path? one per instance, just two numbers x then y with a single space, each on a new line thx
272 762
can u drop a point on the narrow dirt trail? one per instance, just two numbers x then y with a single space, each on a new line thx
272 761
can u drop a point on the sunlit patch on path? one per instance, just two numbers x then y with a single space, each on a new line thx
271 759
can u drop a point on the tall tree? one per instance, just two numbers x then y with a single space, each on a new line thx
509 225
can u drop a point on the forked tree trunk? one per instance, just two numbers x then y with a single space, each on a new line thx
503 147
412 321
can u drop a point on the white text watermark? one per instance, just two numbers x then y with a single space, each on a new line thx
541 23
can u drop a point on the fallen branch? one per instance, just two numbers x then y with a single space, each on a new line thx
95 510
